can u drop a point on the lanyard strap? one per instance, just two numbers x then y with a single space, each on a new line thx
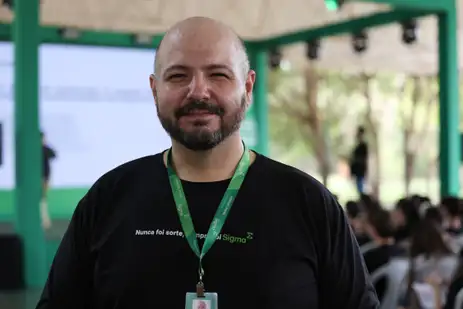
222 211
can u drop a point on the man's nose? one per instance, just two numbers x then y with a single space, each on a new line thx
199 88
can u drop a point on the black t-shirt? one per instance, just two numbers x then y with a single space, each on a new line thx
286 244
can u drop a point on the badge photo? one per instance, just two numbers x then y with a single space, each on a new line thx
201 304
209 301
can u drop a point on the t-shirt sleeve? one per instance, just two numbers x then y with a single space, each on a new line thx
69 283
344 279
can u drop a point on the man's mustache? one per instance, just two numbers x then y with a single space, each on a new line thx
199 106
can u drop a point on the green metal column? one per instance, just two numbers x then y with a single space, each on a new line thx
449 142
27 140
259 64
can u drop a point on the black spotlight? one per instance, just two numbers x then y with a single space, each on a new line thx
8 4
360 41
312 49
409 32
69 33
274 58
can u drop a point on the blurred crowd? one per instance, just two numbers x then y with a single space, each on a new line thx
426 239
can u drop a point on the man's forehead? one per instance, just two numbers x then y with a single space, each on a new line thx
200 53
213 52
201 41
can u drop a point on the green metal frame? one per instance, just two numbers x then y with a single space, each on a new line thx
52 35
344 27
422 5
27 35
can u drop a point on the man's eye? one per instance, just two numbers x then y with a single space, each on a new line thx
219 75
176 76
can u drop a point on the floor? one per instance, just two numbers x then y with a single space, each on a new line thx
28 299
54 233
19 300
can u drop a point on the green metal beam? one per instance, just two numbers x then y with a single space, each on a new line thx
348 26
422 5
28 157
449 142
258 59
53 35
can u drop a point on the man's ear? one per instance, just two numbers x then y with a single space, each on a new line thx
249 85
153 86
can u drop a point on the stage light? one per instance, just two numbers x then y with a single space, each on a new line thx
143 39
312 49
360 41
69 33
8 4
409 31
274 58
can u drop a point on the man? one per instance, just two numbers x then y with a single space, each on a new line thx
359 160
48 154
283 243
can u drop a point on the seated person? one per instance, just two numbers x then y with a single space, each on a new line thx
405 217
356 220
433 214
431 260
451 211
379 228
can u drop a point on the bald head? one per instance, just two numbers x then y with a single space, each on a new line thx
203 85
199 32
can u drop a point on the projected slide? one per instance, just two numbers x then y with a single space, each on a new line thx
96 110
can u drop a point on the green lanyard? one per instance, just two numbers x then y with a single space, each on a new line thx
221 213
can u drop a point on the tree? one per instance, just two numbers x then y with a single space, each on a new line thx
311 108
419 96
369 86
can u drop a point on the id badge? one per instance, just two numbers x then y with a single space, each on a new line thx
209 301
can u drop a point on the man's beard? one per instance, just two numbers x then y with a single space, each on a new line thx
203 139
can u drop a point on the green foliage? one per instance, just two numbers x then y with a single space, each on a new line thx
337 109
286 133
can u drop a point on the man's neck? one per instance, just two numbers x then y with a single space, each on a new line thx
218 163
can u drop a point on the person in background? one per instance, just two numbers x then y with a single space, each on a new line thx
434 215
356 219
359 161
379 228
451 210
48 154
431 261
405 217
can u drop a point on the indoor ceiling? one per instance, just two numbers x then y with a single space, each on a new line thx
258 19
